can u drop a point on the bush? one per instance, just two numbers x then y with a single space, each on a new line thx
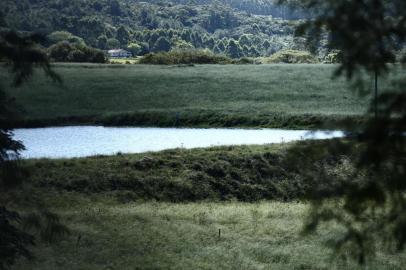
244 60
76 56
67 52
333 57
291 57
184 57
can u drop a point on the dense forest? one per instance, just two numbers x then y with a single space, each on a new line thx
230 27
259 7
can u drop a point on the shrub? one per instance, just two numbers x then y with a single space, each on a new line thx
76 56
162 44
333 57
184 57
234 49
244 60
67 52
134 48
291 57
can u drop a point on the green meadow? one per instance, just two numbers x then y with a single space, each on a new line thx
290 96
208 235
211 208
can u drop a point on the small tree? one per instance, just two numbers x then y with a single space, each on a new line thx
220 47
244 40
233 49
123 36
245 50
210 43
60 51
134 48
102 42
253 52
266 45
162 45
113 43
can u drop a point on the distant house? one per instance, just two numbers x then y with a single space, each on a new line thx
119 53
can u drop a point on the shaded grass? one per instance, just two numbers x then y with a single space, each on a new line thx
245 173
289 96
266 235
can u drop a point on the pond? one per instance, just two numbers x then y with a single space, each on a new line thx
82 141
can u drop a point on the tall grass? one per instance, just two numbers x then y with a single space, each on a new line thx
291 96
266 235
184 209
244 173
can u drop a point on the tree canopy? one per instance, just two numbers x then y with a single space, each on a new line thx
116 24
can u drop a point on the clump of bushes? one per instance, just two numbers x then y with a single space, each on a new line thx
291 57
184 57
333 57
75 52
243 60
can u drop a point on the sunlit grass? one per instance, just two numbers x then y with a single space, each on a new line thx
151 235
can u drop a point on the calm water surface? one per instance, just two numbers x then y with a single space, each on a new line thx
81 141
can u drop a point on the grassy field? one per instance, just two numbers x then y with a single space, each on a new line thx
164 210
152 235
293 96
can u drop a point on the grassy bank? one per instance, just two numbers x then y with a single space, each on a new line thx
107 235
244 173
289 96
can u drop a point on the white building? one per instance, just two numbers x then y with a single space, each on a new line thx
118 53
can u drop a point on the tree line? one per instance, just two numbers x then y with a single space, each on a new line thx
152 27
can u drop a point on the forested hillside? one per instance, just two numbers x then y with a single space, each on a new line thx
259 7
230 27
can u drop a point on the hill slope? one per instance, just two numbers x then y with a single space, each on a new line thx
223 27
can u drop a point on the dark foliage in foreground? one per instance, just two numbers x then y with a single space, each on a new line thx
20 54
13 241
367 195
